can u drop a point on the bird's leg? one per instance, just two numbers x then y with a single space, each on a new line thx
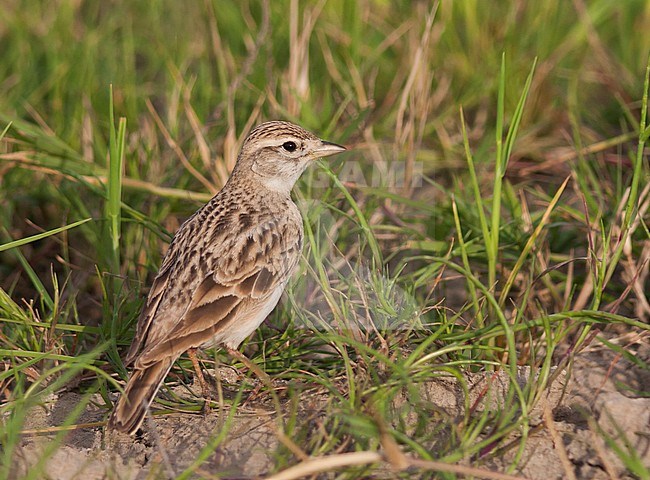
205 391
264 378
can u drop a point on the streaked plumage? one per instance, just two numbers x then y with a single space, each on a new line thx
227 265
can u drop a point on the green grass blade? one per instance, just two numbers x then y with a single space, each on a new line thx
465 258
40 236
6 129
516 119
114 187
476 187
633 198
531 242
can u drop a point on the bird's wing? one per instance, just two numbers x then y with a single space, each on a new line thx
156 295
245 268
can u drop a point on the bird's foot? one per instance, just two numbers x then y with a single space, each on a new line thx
206 388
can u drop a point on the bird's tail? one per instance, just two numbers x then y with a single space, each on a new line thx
139 393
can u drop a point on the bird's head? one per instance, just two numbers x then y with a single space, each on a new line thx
276 153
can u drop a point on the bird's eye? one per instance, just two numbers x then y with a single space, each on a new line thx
289 146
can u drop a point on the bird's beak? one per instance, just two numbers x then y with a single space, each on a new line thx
325 149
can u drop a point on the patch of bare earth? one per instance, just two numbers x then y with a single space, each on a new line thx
603 391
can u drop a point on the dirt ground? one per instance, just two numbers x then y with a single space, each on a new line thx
600 383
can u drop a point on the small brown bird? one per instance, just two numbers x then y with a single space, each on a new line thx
227 265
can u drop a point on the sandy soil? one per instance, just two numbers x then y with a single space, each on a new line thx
600 384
